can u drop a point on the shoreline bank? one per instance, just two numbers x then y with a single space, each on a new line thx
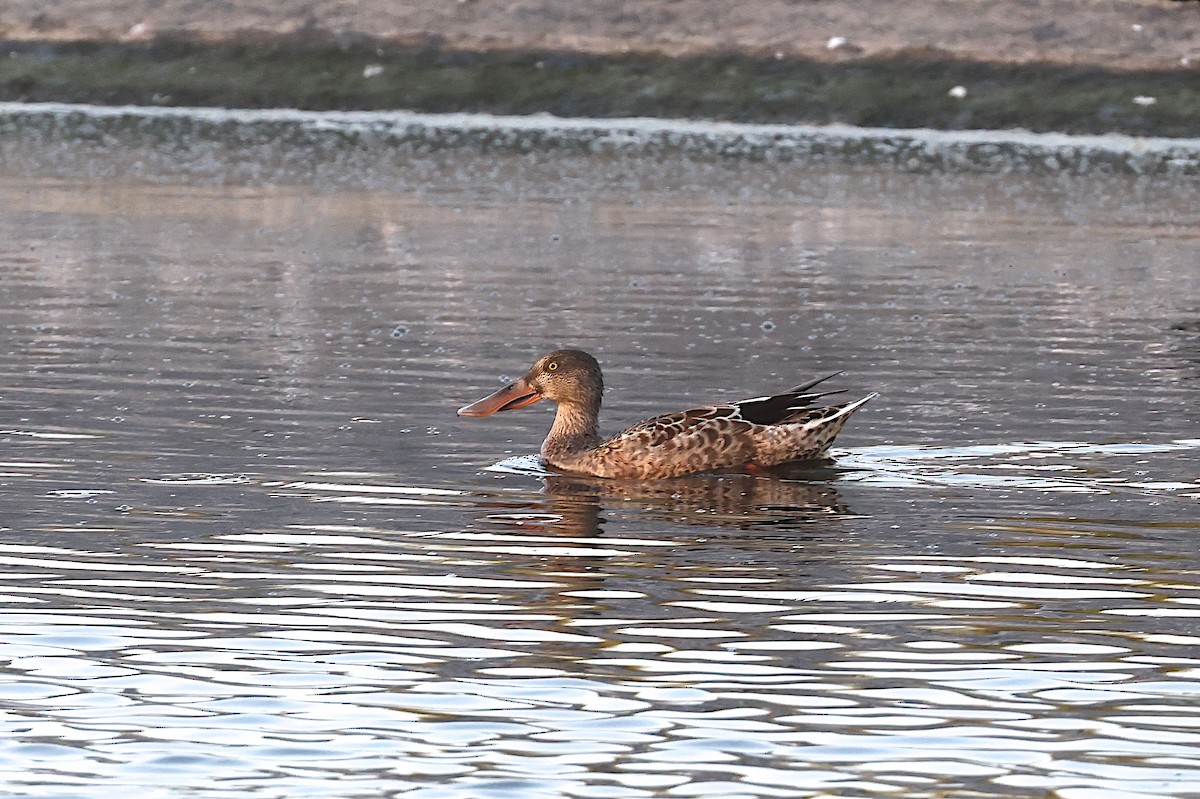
907 90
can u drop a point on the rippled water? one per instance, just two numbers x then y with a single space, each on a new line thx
247 549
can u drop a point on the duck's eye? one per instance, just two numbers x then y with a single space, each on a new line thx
550 367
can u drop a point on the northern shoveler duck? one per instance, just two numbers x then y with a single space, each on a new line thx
763 431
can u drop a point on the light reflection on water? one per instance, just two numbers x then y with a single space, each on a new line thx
248 550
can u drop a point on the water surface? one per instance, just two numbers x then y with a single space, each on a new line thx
247 548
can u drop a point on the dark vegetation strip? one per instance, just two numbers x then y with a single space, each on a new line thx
911 90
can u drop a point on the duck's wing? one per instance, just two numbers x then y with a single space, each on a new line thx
785 407
661 430
695 440
775 409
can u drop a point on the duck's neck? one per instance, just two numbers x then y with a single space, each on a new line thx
576 429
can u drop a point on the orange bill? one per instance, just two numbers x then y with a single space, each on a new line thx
514 395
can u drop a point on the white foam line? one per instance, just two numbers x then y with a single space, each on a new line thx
903 453
55 436
640 130
916 466
375 489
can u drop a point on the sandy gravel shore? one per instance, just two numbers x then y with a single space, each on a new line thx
1078 66
1118 34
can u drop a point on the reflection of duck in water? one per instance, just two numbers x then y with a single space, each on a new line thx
764 431
727 500
783 498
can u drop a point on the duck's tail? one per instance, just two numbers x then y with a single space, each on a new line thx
806 435
832 413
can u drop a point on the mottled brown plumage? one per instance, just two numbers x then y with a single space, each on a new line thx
763 431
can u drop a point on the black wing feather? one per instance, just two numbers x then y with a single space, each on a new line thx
780 407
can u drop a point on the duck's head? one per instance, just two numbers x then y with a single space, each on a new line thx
564 376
